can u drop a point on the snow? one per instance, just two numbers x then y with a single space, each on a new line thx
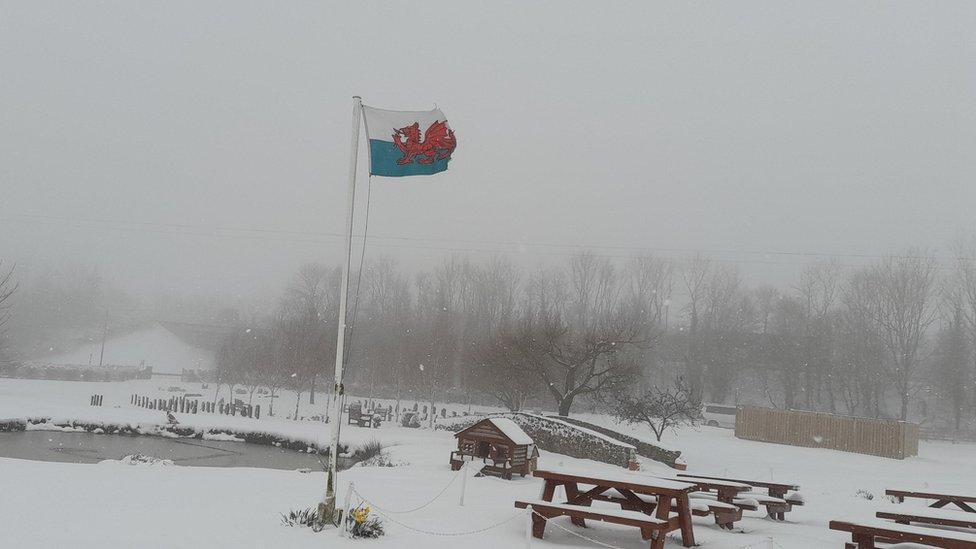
155 346
111 505
511 430
620 475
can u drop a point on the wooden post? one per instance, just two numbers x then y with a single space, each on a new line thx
464 479
528 527
257 412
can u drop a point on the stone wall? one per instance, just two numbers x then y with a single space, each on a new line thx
646 449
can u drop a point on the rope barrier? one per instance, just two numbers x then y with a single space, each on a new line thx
581 536
764 543
435 498
434 533
386 513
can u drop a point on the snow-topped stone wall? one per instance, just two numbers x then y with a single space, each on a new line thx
644 448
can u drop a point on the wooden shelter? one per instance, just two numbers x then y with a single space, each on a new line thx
500 444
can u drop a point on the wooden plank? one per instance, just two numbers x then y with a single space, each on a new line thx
635 483
756 483
930 495
947 539
958 519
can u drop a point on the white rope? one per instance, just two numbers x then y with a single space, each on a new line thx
419 507
433 533
581 536
763 543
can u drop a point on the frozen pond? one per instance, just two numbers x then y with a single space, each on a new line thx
92 448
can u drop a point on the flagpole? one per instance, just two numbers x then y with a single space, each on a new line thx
327 509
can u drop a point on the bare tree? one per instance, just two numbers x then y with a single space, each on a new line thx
575 333
502 372
951 369
817 290
899 297
694 279
312 298
962 293
661 409
7 289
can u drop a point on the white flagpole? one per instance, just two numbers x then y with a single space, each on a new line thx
327 510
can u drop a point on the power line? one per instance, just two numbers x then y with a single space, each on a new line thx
261 232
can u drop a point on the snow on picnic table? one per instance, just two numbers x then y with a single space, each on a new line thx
113 505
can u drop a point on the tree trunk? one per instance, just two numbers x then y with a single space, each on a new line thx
311 391
565 405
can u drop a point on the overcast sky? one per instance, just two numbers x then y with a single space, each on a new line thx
204 145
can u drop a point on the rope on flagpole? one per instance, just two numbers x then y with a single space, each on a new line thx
359 275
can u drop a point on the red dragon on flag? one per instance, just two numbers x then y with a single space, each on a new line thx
438 143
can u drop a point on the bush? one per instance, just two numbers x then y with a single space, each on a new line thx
369 449
303 517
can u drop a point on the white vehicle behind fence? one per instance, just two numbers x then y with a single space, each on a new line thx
718 415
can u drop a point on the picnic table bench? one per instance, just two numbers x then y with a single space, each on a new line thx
667 501
868 534
778 500
929 515
725 514
719 498
940 500
651 528
362 418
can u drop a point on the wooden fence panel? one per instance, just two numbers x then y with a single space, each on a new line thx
878 437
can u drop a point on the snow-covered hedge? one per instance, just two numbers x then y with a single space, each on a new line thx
644 448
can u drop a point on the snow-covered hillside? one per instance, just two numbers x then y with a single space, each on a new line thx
154 346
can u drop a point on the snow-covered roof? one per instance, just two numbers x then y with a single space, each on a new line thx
511 430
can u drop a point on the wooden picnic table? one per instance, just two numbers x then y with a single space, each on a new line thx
775 489
725 490
777 503
940 500
670 504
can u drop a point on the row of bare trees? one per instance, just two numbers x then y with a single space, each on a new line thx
861 340
7 289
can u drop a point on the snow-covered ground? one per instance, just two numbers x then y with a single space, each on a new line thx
154 346
116 505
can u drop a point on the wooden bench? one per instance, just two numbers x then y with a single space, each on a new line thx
725 514
940 517
868 534
939 500
651 528
778 500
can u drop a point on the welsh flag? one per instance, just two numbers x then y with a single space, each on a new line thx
405 143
